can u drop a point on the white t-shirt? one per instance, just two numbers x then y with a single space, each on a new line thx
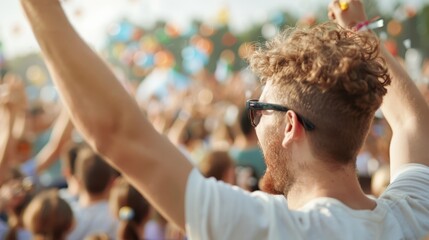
95 218
215 210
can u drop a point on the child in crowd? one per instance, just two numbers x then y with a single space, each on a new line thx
131 208
48 217
15 195
95 178
71 193
218 164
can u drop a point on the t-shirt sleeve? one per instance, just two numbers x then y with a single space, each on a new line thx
411 181
215 210
408 193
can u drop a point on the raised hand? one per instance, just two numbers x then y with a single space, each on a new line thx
12 93
349 17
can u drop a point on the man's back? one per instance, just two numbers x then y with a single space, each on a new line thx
401 213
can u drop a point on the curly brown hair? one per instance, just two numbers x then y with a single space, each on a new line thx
332 76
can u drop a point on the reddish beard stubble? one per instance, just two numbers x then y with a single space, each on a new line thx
278 177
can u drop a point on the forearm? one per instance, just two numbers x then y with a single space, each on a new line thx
19 125
108 118
60 136
403 104
46 157
89 89
408 114
6 124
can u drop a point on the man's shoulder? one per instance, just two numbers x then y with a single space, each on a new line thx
410 168
407 197
411 180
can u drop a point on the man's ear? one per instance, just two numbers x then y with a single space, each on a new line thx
293 128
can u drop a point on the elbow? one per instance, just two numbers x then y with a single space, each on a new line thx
99 133
105 132
108 135
102 139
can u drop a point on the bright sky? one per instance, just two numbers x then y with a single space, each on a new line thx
92 17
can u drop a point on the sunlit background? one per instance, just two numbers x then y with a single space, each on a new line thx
92 18
189 35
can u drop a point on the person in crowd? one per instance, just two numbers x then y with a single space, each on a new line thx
15 195
322 87
97 236
51 151
246 152
71 193
131 208
247 179
44 142
13 103
95 178
218 164
48 216
158 228
380 180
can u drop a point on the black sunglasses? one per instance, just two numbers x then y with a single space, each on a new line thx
255 107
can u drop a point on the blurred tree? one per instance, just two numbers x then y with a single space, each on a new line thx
423 30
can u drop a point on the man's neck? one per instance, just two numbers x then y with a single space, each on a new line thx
341 184
72 188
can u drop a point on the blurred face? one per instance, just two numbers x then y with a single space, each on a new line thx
270 131
230 175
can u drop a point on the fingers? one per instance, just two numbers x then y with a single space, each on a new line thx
333 8
331 15
346 13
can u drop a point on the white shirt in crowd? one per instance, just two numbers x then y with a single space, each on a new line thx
95 218
215 210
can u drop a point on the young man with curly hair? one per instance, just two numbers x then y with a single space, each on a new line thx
322 87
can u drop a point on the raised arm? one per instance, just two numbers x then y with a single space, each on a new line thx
403 106
6 125
12 117
108 118
61 134
408 114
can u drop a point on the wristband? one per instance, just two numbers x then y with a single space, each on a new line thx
374 23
